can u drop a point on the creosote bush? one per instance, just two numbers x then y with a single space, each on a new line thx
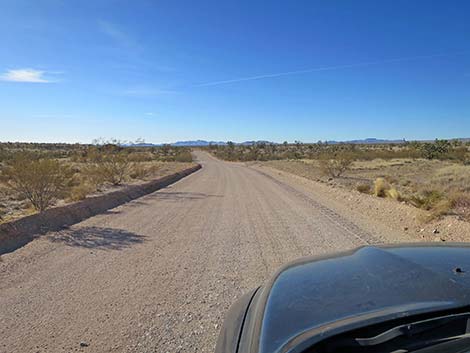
336 167
39 180
112 168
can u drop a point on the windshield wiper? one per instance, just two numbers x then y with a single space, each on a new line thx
415 328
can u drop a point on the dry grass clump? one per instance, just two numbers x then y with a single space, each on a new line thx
382 188
427 199
393 193
436 202
453 177
81 191
441 208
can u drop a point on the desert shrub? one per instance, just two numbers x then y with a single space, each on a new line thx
41 181
94 174
336 167
81 191
113 168
381 186
364 188
140 157
427 199
184 156
440 208
139 171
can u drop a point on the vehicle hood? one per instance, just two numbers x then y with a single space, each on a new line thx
314 298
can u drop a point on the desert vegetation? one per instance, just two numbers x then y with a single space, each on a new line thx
34 177
433 176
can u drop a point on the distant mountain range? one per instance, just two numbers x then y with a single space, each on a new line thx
202 143
370 140
197 143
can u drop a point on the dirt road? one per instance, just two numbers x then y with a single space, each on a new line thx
158 274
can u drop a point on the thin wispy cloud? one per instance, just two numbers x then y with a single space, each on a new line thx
26 75
146 92
325 68
117 34
150 114
53 116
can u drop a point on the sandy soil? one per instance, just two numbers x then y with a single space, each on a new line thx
159 273
370 212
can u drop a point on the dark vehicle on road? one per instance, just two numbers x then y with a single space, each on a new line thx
394 298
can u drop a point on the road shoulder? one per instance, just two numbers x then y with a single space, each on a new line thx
387 220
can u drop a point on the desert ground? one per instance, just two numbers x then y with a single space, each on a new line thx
159 273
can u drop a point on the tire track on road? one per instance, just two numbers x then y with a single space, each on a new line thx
342 223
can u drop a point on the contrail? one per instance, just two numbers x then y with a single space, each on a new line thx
326 68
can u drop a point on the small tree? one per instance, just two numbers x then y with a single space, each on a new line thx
41 181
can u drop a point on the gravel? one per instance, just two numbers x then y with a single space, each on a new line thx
159 273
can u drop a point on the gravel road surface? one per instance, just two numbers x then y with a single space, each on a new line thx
158 274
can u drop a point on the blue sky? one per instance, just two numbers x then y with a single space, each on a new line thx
174 70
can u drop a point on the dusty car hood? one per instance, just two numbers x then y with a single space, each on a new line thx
311 299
